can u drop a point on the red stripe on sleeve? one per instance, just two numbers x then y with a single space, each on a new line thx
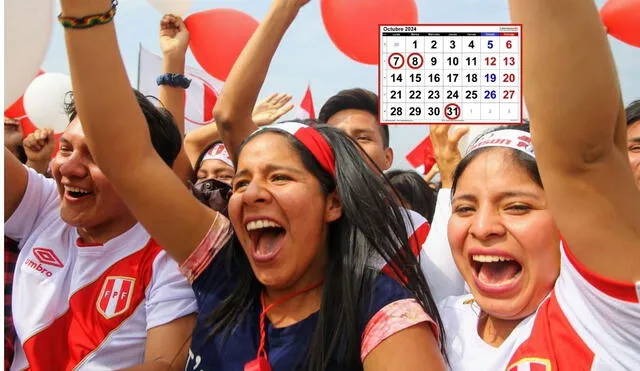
625 291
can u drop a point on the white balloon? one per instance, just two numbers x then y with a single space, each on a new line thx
44 101
175 7
27 31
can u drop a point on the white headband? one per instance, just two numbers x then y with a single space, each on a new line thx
508 138
218 152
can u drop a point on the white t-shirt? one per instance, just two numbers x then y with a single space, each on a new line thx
86 307
437 261
588 322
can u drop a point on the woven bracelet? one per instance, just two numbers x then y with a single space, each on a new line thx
90 20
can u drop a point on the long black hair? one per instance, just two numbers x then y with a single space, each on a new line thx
415 192
371 224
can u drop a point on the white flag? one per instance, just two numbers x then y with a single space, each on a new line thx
201 95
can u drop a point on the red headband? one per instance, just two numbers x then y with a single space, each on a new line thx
312 139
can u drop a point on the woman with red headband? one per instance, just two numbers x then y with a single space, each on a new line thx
284 283
554 272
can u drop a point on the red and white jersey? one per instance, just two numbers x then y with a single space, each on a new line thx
588 322
86 307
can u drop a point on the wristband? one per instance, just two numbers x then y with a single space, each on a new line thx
89 20
173 79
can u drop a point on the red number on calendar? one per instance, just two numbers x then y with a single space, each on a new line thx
508 94
509 44
509 61
491 61
509 77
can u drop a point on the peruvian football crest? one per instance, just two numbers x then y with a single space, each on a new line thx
115 296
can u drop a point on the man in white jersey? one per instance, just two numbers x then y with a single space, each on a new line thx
92 290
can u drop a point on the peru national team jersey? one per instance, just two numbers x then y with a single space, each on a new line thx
86 307
588 322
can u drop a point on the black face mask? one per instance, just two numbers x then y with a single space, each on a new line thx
213 193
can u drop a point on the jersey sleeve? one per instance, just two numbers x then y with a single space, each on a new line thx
436 260
39 204
605 313
219 234
391 319
391 309
169 296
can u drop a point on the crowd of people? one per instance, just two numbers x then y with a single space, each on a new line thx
257 244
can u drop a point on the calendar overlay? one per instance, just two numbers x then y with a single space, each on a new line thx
450 74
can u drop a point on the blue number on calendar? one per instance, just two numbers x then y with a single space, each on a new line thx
490 77
489 94
490 44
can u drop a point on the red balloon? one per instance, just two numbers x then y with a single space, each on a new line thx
352 25
622 18
217 38
16 110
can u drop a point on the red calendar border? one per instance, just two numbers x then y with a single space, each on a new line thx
454 122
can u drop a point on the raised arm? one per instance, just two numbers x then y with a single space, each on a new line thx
174 40
39 147
266 112
445 149
233 111
119 138
578 130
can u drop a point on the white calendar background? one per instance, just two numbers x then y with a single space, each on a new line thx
450 74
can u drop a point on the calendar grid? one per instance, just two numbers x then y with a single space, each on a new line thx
450 74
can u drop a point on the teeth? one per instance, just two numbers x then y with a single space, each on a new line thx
74 189
489 258
263 223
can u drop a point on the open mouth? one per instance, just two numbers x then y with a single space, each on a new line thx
267 237
76 193
495 273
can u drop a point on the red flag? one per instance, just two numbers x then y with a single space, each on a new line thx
422 157
306 106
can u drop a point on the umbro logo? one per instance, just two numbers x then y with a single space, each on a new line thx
46 257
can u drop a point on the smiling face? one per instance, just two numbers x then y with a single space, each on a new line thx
502 236
364 128
633 149
280 213
87 199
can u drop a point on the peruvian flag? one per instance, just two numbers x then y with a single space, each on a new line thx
201 95
422 157
306 110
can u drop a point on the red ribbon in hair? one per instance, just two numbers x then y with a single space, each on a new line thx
312 140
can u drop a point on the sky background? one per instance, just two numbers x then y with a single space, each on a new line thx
307 55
